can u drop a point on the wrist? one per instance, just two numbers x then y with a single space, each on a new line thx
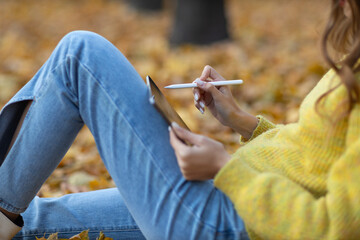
244 124
224 160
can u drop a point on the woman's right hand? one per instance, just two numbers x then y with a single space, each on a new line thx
221 103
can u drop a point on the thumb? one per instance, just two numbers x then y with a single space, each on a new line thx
209 88
184 134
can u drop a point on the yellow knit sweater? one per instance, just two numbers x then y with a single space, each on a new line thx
301 180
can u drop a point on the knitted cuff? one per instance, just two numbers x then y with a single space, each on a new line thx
263 126
8 229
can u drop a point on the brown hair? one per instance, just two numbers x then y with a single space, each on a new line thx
343 35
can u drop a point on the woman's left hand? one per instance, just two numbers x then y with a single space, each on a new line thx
200 161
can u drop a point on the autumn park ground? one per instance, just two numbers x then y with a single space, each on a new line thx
274 48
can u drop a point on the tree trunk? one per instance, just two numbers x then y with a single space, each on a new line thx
146 5
199 22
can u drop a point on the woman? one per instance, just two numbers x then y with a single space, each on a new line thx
298 181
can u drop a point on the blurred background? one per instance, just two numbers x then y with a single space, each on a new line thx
272 45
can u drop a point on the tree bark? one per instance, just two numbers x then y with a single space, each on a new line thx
195 21
199 22
146 5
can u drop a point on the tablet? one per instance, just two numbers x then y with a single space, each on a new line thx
162 105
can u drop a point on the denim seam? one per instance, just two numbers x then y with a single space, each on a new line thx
71 231
9 207
67 74
212 228
77 230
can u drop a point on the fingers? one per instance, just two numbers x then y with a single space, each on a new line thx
199 104
184 134
209 88
175 142
210 72
200 161
199 99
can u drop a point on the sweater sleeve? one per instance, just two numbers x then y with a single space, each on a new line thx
274 207
263 126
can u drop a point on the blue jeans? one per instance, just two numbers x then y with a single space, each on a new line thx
88 81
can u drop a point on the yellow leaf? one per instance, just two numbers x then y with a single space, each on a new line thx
53 236
40 238
81 236
102 237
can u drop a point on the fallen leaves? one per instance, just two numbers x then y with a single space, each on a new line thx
276 56
81 236
274 49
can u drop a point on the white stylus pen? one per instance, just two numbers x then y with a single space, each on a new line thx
216 83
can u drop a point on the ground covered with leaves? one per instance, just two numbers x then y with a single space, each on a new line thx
274 49
81 236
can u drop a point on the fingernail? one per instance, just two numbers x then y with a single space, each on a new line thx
202 105
199 82
169 128
196 96
201 110
174 124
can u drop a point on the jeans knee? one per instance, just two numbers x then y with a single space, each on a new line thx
80 35
79 40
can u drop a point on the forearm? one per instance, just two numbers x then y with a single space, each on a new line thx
243 123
